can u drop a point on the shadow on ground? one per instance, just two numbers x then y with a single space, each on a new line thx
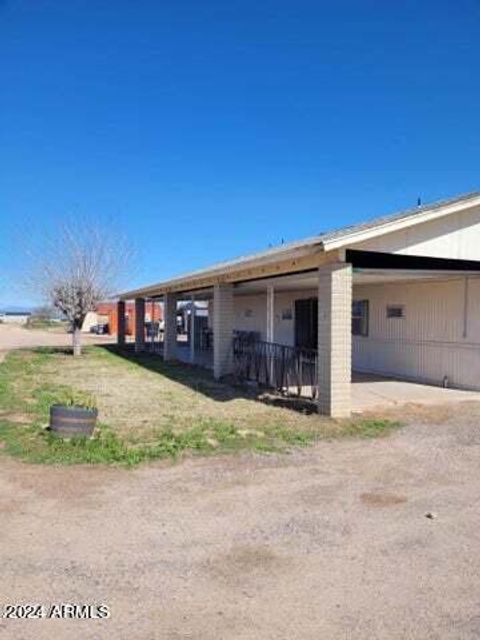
201 380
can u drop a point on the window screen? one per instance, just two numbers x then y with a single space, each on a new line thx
360 317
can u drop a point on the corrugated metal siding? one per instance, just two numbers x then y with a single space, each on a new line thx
429 342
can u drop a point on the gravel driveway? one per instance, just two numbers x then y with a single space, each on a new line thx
327 543
17 337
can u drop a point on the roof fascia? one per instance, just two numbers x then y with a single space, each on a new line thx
227 272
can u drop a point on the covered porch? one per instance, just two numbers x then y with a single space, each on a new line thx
293 332
234 341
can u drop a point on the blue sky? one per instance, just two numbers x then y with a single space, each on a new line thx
208 130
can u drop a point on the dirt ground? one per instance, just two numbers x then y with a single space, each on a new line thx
325 543
18 337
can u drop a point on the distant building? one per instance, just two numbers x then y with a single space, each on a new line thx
106 314
14 317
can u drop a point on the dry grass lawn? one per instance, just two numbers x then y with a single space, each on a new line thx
138 393
148 408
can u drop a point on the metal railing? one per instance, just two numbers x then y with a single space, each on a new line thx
153 338
277 366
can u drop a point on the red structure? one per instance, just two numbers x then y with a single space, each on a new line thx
107 313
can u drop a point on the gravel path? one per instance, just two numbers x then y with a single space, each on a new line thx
327 543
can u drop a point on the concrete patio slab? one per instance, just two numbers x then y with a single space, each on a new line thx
371 392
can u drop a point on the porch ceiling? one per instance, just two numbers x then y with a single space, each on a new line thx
309 280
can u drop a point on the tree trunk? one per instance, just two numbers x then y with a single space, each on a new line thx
77 341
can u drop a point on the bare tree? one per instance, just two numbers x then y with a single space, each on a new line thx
78 267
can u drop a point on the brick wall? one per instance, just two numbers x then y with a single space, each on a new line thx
335 339
223 325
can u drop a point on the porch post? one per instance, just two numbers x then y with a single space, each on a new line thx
152 324
223 319
192 330
335 340
270 337
120 322
169 326
139 324
270 313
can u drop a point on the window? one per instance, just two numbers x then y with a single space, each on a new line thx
360 317
395 311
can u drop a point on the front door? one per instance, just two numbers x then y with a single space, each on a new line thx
306 323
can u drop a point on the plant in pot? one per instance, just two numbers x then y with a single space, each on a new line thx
74 416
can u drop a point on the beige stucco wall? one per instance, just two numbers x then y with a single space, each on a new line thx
439 335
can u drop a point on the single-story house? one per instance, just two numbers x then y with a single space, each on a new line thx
397 296
15 317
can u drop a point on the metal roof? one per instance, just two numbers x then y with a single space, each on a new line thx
397 216
301 247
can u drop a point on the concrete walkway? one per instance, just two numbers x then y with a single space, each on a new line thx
370 392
